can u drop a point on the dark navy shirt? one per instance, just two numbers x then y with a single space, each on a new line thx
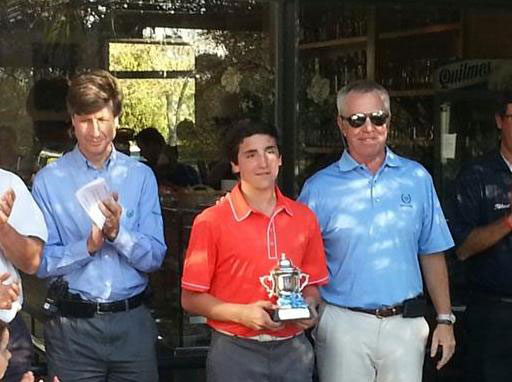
482 197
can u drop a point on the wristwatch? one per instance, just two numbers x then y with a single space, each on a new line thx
446 319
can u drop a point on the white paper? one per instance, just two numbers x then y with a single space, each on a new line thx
448 145
89 197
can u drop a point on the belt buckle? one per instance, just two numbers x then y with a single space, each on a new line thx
378 311
264 338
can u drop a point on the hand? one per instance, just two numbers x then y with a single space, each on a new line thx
6 203
29 377
308 323
221 199
443 337
95 240
256 316
8 292
112 211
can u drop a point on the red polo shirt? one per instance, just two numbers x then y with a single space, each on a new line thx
232 245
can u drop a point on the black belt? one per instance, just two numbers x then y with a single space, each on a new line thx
87 309
381 312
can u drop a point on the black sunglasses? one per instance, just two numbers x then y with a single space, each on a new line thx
377 118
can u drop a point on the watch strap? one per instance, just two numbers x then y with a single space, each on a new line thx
446 319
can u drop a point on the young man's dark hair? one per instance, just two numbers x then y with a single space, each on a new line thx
243 129
92 91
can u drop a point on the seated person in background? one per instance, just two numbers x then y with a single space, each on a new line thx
163 159
122 140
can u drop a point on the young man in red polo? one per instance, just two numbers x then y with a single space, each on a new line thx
235 243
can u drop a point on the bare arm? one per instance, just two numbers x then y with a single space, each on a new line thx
254 315
435 274
484 237
23 251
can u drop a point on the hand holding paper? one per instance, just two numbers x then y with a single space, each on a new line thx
112 212
90 196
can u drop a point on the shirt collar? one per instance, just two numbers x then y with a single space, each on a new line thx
87 164
348 163
509 165
241 209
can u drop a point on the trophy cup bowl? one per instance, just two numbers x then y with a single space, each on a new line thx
286 283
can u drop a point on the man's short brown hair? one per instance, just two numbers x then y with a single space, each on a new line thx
92 91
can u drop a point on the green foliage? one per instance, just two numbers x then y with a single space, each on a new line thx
145 57
159 103
15 84
146 103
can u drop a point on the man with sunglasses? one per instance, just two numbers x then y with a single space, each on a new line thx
382 226
481 223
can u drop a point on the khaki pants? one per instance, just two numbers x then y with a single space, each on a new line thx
359 347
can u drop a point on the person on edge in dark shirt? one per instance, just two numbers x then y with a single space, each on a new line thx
481 224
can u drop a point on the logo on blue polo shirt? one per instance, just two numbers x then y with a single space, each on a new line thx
406 200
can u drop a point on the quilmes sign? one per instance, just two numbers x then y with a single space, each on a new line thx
464 73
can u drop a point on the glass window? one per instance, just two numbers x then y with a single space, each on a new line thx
187 68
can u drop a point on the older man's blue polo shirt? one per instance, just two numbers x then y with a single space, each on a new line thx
374 228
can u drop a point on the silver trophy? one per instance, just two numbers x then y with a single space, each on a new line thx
286 283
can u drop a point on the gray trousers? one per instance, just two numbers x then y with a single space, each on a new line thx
110 347
235 359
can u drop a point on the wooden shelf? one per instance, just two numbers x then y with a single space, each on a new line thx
412 93
323 150
334 43
437 28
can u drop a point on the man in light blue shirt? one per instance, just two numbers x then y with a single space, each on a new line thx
102 331
382 225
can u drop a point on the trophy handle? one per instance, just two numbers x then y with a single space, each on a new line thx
263 281
303 283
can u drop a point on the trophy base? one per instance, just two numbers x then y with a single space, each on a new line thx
284 314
